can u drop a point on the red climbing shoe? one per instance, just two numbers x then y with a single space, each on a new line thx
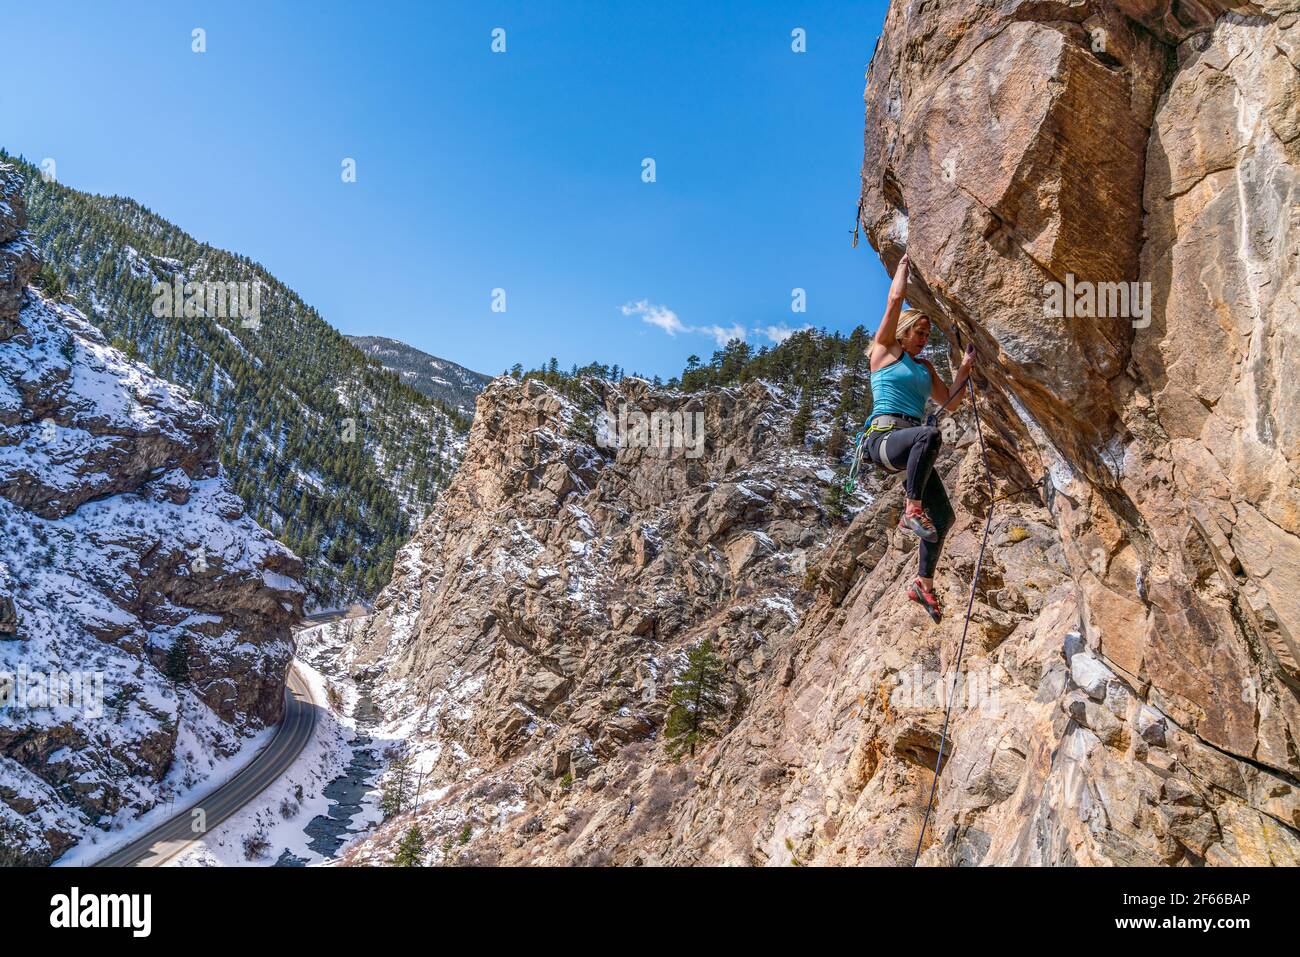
915 520
927 600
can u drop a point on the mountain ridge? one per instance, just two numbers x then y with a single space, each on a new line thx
442 379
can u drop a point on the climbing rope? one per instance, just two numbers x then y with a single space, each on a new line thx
970 606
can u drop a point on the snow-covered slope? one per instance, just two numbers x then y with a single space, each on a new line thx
335 455
144 618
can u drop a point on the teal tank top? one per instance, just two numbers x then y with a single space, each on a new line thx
900 388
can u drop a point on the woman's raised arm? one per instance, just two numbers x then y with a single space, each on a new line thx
886 334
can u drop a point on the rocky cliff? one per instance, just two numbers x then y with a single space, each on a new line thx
1129 691
528 643
1018 148
144 619
328 450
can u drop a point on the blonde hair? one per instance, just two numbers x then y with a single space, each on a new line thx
907 320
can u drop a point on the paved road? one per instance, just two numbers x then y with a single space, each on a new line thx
167 840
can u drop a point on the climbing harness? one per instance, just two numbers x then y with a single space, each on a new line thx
970 607
891 422
859 451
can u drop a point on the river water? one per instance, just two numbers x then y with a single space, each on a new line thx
330 831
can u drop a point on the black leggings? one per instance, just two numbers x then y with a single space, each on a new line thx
918 448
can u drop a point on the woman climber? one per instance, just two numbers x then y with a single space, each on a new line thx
899 438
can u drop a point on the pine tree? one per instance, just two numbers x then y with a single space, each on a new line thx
697 703
802 419
397 792
177 665
835 500
848 392
410 849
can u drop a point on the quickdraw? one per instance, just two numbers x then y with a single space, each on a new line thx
859 448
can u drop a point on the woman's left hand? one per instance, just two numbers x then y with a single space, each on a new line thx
968 361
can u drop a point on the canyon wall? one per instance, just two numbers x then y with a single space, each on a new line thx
145 620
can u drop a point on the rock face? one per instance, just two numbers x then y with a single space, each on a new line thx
529 639
1129 693
124 556
1015 145
18 262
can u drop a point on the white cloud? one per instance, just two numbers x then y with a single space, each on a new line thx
660 316
665 319
723 335
782 332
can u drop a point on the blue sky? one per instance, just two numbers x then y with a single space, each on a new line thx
477 170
